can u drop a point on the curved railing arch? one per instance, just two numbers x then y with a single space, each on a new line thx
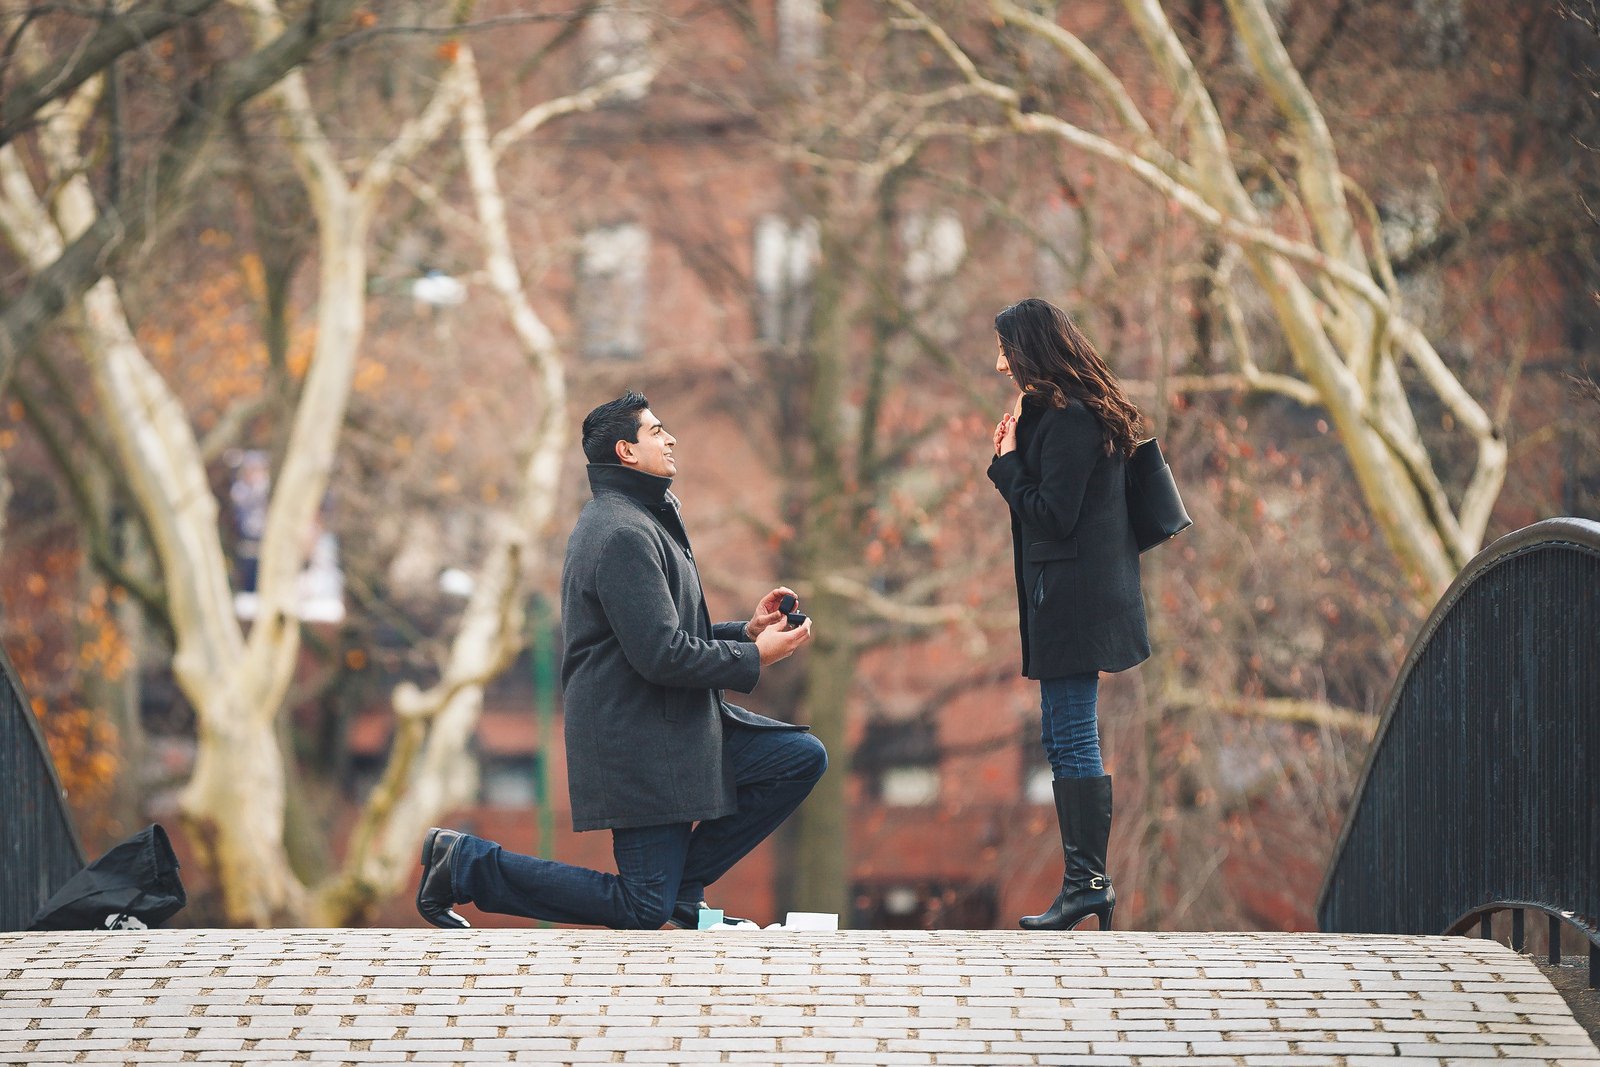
39 848
1482 790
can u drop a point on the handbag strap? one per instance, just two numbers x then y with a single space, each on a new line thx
122 916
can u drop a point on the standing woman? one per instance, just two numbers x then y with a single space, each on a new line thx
1059 458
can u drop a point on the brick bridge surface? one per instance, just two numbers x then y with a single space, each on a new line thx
568 996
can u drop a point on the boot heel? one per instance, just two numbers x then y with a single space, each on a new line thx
1105 916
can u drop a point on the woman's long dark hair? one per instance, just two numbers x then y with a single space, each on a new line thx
1051 358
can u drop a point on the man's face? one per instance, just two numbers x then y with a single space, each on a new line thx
652 453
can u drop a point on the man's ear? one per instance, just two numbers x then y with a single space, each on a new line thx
625 452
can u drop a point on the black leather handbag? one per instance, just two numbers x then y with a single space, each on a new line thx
1154 507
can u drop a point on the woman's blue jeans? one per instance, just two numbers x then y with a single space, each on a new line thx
657 866
1071 732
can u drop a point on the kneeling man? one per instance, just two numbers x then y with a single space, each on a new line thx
687 783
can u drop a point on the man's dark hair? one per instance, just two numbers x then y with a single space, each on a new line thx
615 420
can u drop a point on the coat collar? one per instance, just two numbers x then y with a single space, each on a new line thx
651 490
1033 405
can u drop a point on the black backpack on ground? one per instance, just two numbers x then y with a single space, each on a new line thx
132 887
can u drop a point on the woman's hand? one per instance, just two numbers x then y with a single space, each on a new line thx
1005 435
1005 431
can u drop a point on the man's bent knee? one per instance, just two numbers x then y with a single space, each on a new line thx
645 915
817 758
644 907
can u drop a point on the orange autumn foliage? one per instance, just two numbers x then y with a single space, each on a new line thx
60 636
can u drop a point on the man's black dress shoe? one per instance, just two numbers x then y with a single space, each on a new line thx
435 896
686 916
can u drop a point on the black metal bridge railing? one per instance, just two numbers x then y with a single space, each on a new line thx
1482 791
39 848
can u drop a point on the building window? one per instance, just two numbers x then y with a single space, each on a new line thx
900 761
1410 220
934 245
799 32
785 263
1062 251
618 41
909 786
1441 30
611 291
509 782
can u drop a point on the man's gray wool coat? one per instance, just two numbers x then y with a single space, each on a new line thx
643 669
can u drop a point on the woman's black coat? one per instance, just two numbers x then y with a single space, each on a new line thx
1080 606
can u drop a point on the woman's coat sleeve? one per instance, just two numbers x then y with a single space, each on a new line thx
1070 442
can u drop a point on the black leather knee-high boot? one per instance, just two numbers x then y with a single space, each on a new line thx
1083 809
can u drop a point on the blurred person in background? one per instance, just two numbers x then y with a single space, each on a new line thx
1059 456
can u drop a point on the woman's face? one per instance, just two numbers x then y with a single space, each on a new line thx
1001 365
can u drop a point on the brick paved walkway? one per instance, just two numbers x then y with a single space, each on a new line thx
390 996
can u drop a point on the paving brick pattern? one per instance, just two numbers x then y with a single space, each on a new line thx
983 997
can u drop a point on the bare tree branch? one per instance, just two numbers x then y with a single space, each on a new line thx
586 100
1282 709
911 616
162 192
118 33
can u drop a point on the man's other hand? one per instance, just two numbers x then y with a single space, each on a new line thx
767 613
775 643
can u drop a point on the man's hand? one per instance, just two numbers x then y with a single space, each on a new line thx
767 613
779 642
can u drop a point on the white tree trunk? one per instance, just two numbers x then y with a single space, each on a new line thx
429 771
234 801
237 750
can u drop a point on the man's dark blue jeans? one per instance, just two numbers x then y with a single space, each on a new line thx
657 866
